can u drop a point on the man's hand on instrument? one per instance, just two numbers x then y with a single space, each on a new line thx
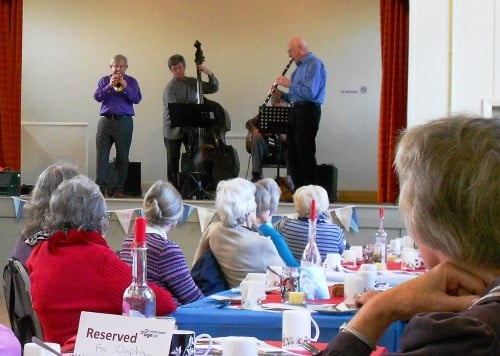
204 69
283 81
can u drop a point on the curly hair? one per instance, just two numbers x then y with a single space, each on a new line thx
78 204
36 209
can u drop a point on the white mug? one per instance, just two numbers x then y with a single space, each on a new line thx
369 278
352 287
296 329
252 293
239 346
32 349
332 262
349 257
358 251
410 259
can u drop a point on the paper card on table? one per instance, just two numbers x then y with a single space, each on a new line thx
313 283
107 334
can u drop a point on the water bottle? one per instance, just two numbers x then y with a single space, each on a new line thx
311 255
139 300
380 246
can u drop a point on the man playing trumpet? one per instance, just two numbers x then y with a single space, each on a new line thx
117 94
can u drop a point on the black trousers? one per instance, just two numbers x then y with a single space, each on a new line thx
303 124
190 141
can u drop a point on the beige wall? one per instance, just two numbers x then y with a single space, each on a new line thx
454 57
67 46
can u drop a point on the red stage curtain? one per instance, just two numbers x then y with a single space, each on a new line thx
11 26
394 16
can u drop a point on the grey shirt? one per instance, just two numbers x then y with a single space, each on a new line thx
183 91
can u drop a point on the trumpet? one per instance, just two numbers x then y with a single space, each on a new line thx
117 86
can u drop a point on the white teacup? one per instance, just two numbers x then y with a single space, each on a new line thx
239 346
297 329
252 294
349 257
332 262
32 349
353 286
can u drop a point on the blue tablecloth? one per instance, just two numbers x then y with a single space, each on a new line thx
204 316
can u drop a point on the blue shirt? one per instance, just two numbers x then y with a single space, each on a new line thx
308 81
114 103
279 242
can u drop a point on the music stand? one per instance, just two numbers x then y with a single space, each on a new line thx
274 120
192 116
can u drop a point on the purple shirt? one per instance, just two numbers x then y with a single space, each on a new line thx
9 345
114 103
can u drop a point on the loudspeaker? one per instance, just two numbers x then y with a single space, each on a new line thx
9 183
132 183
327 178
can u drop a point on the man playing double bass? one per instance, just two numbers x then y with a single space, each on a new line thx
182 89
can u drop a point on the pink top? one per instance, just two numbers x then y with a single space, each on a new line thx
9 344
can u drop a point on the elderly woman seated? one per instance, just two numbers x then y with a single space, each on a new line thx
36 209
74 269
237 248
267 196
329 236
449 172
167 265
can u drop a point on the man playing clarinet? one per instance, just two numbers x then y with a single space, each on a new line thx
306 94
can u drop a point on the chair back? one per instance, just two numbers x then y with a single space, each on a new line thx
17 293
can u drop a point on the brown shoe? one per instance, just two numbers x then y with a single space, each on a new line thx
118 195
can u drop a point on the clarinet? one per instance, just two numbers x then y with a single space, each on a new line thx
275 85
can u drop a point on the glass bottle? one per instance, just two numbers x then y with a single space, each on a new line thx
380 246
311 255
139 300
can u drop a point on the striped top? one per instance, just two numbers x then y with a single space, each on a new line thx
167 265
329 236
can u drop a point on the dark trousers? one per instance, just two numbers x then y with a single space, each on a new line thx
109 132
173 147
303 124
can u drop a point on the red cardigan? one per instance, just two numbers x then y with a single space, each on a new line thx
77 271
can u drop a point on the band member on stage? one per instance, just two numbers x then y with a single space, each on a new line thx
306 94
117 94
182 89
264 145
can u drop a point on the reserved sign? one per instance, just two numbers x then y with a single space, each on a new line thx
108 334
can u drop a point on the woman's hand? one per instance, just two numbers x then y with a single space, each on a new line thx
446 287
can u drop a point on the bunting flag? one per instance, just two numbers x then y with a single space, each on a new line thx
354 220
186 213
205 216
18 207
125 217
344 215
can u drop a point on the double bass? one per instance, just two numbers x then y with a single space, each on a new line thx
216 159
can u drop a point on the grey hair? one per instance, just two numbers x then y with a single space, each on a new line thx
303 197
162 204
36 209
78 204
274 190
235 201
450 187
262 199
119 57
